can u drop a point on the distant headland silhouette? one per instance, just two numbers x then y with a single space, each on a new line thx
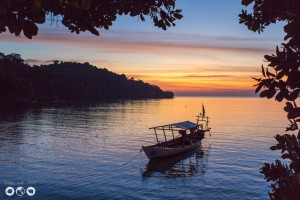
67 82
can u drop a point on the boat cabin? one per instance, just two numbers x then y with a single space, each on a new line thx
183 129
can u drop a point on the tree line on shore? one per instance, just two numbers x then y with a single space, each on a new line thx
67 81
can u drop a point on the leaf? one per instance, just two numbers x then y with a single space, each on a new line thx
155 19
269 58
280 74
271 94
30 29
270 74
164 27
177 16
2 29
18 30
257 79
286 155
267 72
167 23
279 97
294 95
163 14
263 71
295 165
93 31
273 148
260 85
264 93
246 2
277 51
40 18
142 17
36 14
294 113
288 107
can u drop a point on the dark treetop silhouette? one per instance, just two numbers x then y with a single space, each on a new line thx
82 15
283 82
66 81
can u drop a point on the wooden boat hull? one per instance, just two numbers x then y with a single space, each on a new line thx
157 151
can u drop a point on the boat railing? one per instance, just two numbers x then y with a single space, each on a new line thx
201 118
165 128
181 126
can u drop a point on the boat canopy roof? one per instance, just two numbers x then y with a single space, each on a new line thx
182 125
185 125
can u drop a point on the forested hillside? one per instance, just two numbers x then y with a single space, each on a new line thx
67 81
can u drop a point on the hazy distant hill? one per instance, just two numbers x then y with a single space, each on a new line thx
67 81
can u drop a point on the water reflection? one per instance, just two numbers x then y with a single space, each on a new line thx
66 147
184 165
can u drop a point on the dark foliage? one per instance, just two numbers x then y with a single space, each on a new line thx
66 81
284 176
281 79
82 15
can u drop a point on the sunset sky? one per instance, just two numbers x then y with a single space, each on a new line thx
207 53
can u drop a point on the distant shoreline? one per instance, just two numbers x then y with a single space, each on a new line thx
192 96
67 82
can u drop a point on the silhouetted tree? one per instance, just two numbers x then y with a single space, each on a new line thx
82 15
13 57
55 62
66 81
281 79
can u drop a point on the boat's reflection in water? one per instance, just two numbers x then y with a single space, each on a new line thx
187 164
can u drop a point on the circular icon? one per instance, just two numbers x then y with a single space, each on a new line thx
9 191
20 191
30 191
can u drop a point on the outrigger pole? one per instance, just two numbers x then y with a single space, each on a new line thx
202 115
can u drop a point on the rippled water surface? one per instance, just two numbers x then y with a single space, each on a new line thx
93 151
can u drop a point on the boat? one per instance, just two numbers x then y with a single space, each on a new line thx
189 138
186 164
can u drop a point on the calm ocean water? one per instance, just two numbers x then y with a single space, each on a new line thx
92 151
